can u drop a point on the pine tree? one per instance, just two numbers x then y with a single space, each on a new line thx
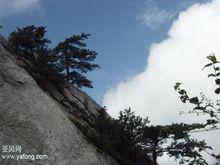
175 141
73 59
30 41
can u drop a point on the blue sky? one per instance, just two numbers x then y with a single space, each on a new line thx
144 47
119 35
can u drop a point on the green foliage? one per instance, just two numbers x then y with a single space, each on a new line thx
68 59
128 138
120 137
132 125
29 41
188 151
73 59
174 140
32 46
203 104
131 136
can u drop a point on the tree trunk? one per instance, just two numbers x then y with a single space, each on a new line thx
154 153
155 157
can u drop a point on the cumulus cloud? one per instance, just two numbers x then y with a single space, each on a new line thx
180 57
152 16
12 7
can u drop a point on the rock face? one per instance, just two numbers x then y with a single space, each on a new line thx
41 121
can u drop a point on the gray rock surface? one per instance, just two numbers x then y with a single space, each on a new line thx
38 122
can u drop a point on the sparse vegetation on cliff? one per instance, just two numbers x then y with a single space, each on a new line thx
70 58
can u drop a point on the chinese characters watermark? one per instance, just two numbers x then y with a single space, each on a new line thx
14 152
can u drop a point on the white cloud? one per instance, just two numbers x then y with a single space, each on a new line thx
152 16
12 7
180 57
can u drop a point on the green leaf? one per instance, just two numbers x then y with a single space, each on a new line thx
207 65
211 121
212 114
217 81
217 156
194 100
217 91
199 108
184 98
177 85
212 58
182 92
211 75
216 68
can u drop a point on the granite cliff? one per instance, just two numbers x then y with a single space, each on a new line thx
44 119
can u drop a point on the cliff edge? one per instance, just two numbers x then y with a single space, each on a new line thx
42 121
